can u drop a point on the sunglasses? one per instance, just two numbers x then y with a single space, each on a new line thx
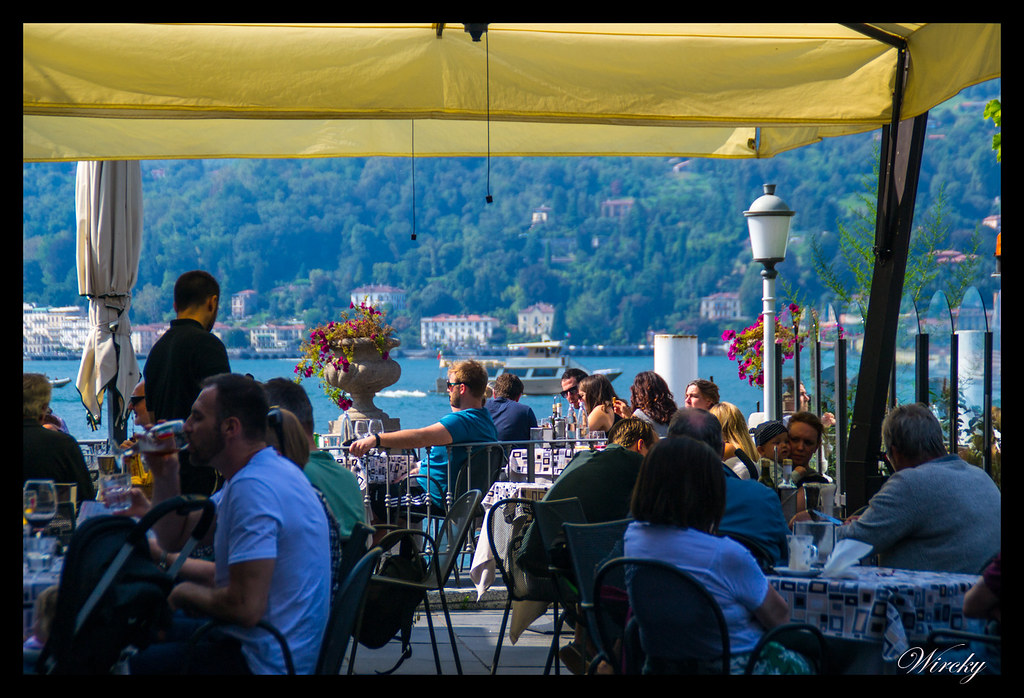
569 391
451 385
136 399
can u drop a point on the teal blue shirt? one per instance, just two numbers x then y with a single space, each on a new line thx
465 426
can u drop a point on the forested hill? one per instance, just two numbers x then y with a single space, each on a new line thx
303 233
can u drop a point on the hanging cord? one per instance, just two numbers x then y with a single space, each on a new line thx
487 69
412 129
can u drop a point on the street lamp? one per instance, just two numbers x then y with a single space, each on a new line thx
768 221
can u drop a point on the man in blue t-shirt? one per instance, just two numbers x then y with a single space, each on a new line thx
752 510
468 422
512 419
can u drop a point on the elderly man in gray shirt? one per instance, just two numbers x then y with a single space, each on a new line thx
936 512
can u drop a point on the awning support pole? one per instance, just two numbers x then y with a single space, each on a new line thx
899 169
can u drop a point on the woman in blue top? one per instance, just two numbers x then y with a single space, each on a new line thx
677 504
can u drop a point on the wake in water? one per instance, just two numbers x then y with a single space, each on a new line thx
401 393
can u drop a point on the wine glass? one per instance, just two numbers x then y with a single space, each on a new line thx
39 503
362 428
376 426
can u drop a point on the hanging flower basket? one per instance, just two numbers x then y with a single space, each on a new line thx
746 347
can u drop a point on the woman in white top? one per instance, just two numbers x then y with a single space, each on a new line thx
677 503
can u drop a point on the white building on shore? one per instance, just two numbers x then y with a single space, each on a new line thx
456 330
378 295
538 319
48 332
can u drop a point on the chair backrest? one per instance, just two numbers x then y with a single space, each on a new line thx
346 610
590 546
550 515
678 619
480 469
507 522
453 531
353 548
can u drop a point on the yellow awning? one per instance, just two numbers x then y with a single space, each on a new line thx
161 91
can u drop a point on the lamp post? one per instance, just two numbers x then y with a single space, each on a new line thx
768 221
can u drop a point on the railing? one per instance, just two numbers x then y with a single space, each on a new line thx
487 450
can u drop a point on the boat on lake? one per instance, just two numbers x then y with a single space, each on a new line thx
540 369
59 382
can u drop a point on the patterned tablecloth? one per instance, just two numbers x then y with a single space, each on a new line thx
892 606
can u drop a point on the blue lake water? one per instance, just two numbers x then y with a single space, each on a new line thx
410 399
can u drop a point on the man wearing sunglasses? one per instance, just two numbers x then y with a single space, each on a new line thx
571 386
468 422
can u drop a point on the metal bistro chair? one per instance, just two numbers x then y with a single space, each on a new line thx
480 471
346 613
590 546
443 554
507 522
681 627
353 548
549 516
680 624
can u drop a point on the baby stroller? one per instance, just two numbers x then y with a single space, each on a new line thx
112 594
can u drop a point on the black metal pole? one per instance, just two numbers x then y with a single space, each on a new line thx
921 369
900 166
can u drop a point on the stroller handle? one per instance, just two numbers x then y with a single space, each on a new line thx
182 505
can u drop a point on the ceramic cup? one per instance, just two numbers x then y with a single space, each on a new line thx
802 552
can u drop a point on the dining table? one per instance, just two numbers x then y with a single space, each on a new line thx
887 609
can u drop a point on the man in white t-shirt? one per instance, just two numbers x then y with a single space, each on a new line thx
270 536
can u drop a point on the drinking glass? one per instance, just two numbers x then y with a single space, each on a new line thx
362 428
39 503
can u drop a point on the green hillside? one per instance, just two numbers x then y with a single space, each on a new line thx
303 233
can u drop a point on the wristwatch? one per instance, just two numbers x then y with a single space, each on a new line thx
377 436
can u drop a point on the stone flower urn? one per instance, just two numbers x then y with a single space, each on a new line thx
368 373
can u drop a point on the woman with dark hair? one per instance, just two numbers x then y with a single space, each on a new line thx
598 398
652 401
677 504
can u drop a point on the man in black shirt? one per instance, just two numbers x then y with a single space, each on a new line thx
179 361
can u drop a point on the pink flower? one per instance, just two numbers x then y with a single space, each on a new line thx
729 334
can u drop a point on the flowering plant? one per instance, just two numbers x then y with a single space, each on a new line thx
745 348
325 342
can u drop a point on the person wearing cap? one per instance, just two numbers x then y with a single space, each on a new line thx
772 440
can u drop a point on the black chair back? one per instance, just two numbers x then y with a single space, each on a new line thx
353 548
346 611
507 522
681 625
590 546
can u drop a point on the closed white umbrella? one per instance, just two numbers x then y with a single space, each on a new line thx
108 206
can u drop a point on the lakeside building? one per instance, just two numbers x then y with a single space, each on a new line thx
538 319
378 295
456 330
57 331
243 304
720 306
145 336
276 338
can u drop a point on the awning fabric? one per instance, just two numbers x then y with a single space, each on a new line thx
163 91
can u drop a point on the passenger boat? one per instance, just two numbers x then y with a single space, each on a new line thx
540 369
